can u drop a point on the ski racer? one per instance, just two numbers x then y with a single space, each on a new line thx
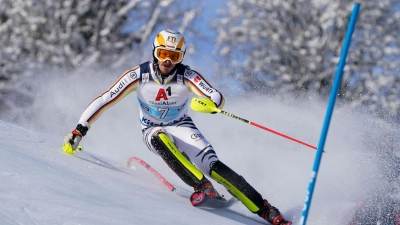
163 87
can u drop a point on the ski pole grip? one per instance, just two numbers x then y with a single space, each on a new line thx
204 105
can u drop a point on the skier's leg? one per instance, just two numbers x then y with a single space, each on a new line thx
161 143
188 138
202 154
175 159
243 191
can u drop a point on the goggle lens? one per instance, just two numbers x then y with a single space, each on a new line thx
164 54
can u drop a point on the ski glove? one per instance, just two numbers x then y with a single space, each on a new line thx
71 141
216 106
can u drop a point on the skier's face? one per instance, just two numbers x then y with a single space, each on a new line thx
166 66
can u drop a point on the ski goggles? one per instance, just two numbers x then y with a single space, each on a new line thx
163 54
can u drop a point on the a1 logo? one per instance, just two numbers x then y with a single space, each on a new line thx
162 94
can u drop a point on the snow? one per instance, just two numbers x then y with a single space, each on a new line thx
39 184
42 185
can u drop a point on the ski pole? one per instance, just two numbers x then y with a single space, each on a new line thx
152 170
205 105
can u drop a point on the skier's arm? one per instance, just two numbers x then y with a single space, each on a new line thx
125 84
198 85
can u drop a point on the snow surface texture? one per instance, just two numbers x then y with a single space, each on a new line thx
39 184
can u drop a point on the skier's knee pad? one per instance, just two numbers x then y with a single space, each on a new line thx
237 186
167 149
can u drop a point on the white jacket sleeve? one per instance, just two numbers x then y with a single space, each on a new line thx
198 85
125 84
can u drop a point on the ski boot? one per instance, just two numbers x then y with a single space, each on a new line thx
203 189
272 215
208 189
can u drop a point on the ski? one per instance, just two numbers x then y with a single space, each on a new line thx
198 199
152 170
202 202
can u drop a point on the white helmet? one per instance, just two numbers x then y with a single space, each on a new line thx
169 45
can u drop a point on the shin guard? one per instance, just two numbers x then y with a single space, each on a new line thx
237 186
168 151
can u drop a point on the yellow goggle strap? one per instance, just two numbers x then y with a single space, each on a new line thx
237 186
185 169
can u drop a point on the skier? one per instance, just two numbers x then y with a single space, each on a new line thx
163 88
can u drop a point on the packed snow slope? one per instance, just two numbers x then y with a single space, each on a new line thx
39 184
42 185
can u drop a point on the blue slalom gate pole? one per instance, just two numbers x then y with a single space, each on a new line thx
331 105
